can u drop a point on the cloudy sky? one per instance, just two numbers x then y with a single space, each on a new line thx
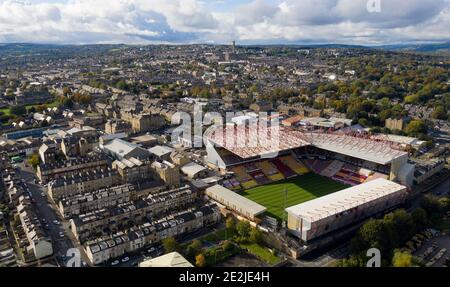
221 21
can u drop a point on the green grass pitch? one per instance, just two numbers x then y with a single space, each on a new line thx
300 189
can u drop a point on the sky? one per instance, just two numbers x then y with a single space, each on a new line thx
360 22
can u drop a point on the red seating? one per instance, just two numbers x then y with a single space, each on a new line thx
286 171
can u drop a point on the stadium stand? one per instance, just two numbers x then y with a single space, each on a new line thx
293 164
286 171
332 168
270 171
260 177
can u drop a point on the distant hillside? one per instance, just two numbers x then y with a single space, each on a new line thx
433 48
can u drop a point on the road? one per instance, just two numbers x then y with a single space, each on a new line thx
443 189
47 213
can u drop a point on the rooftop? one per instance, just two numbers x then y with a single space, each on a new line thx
221 194
344 200
173 259
192 168
160 150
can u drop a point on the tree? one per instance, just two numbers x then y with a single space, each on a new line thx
432 207
34 160
374 233
243 228
226 245
419 216
402 259
416 128
170 244
194 248
200 260
352 261
255 235
230 225
439 113
18 110
41 108
403 225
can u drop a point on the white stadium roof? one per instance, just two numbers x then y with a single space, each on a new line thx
246 144
346 199
366 149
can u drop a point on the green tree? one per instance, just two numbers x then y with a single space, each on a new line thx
18 110
194 248
432 207
419 216
255 235
352 261
34 160
416 128
170 244
375 234
200 260
243 228
226 245
403 225
402 259
230 225
439 113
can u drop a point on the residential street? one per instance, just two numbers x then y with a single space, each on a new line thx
47 213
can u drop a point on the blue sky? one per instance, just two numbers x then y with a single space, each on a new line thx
221 21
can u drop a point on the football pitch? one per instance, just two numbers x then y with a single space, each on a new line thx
299 189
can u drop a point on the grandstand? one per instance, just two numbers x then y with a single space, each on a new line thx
294 164
305 166
348 158
315 218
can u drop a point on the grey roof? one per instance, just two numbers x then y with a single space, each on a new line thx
346 199
160 150
191 169
121 149
235 201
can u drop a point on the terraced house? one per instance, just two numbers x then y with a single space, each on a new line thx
104 248
125 215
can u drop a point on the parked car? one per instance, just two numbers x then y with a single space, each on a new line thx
56 222
125 259
115 262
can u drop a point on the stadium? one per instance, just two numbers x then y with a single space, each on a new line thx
308 167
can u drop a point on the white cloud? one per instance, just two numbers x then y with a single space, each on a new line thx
133 21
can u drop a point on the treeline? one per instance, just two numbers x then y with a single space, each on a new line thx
393 231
